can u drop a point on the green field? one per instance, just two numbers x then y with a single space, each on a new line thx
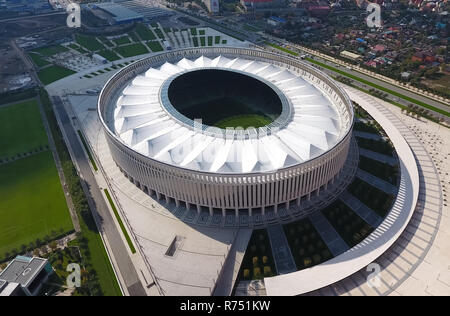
50 50
89 42
21 129
132 50
122 41
38 60
109 54
53 73
155 46
32 203
244 121
144 32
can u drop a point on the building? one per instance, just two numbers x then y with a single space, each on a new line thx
26 6
276 21
149 112
24 276
118 13
351 56
261 4
212 5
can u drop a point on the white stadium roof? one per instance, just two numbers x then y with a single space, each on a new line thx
143 123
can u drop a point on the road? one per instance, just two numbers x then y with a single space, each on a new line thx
98 205
27 17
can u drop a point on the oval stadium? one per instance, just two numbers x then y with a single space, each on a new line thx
227 129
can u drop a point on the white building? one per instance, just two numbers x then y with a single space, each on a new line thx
170 155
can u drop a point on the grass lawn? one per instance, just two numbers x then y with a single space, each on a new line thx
159 33
144 32
53 73
373 85
244 121
122 40
50 50
21 129
119 219
132 50
89 42
32 203
155 46
78 48
109 54
282 49
38 60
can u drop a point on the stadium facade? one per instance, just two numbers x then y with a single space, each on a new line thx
149 109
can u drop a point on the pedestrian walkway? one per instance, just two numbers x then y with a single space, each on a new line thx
377 182
282 255
362 210
329 235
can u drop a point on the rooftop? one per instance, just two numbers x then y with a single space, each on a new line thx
119 12
22 270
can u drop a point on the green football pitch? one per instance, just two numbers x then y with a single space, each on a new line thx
244 121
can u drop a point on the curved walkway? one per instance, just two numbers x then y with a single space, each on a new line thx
382 238
417 263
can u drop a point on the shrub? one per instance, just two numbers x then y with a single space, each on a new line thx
307 262
265 259
267 271
301 251
255 261
256 273
246 274
316 258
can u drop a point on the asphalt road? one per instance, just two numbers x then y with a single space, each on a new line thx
106 222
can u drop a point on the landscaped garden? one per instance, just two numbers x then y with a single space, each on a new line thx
381 170
347 223
144 32
132 50
258 260
379 146
379 201
89 42
307 247
155 46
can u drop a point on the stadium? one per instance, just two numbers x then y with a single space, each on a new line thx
227 130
